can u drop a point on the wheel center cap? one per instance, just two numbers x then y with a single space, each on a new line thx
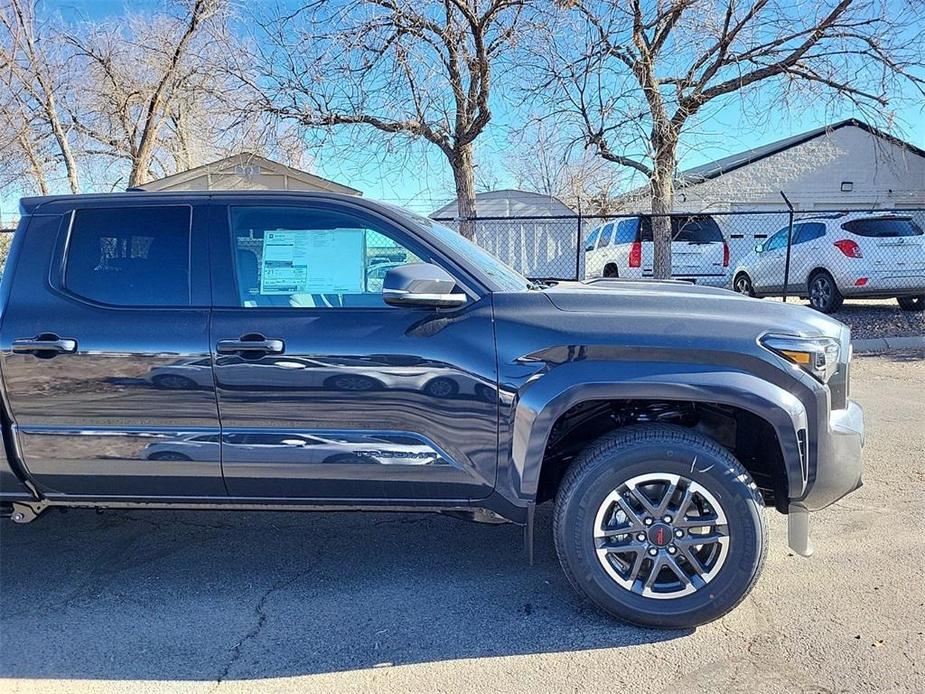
659 535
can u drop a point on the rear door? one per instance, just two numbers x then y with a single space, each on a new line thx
105 352
697 248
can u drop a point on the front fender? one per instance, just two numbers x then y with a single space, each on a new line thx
549 394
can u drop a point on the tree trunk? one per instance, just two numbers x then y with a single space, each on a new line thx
662 188
38 172
463 164
64 146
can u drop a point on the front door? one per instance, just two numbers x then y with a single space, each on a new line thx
326 392
105 352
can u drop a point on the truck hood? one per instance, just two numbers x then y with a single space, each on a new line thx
690 309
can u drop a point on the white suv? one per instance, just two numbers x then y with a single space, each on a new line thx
624 248
833 257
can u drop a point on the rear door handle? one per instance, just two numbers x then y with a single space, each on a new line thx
252 344
46 343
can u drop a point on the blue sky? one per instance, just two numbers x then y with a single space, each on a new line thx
419 178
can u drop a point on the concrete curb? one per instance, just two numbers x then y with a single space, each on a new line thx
888 344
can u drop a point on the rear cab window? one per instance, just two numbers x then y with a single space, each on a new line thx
695 230
883 227
130 256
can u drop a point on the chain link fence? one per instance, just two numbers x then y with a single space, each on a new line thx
825 256
821 255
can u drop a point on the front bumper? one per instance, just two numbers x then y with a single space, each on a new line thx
838 471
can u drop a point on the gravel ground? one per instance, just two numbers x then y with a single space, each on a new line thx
232 602
873 318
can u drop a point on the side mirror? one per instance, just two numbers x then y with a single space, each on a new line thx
421 284
759 248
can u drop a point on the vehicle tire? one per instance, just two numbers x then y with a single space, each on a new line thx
823 293
911 303
684 477
170 456
610 270
171 382
743 284
352 383
441 387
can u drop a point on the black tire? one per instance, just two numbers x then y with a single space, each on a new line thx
610 270
173 382
911 303
743 284
637 450
352 383
823 293
166 455
441 387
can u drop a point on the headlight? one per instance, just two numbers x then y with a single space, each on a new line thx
815 355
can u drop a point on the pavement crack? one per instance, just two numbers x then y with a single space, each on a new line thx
237 651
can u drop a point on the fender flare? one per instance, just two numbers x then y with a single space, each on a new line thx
543 400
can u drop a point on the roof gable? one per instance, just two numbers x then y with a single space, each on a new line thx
243 159
725 165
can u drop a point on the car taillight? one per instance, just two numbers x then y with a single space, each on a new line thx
849 248
725 254
636 254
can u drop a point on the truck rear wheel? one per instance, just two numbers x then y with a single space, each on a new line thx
660 526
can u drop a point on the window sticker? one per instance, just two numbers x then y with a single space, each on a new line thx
312 262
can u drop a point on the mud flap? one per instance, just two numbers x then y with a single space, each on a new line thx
798 531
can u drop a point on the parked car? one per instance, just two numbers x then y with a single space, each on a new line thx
852 255
625 248
222 350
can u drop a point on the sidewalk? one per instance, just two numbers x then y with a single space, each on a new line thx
888 344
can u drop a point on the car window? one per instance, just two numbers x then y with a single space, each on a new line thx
130 256
695 230
883 227
808 231
627 230
592 239
302 257
606 233
778 240
506 277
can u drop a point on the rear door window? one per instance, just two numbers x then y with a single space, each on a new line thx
809 231
606 233
883 228
627 230
130 256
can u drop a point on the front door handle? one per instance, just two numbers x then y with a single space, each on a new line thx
253 344
46 343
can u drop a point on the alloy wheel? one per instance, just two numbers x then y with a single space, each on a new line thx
661 535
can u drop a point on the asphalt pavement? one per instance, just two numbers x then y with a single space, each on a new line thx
267 602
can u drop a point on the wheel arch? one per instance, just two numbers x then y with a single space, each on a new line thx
547 400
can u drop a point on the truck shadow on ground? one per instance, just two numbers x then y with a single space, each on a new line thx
214 596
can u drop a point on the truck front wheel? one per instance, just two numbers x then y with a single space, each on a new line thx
660 526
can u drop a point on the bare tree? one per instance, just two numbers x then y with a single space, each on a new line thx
136 75
421 70
544 161
37 75
631 76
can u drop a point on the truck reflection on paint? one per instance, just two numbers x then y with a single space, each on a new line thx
344 374
380 448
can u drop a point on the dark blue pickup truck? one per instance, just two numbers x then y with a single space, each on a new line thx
318 352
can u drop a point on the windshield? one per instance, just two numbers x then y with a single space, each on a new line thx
505 277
